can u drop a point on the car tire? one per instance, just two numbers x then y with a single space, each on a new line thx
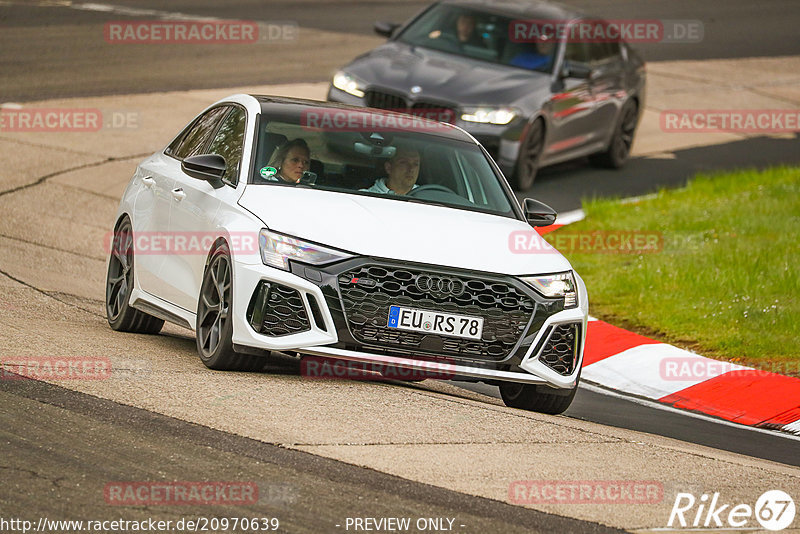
530 152
214 326
119 283
619 148
527 397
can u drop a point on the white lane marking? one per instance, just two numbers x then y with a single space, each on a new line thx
660 406
117 10
139 12
642 370
631 200
793 427
569 217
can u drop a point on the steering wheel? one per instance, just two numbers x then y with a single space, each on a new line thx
431 187
449 40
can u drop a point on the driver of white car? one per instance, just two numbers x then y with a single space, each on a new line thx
402 171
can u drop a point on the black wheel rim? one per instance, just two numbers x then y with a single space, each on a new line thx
120 272
624 138
214 306
530 154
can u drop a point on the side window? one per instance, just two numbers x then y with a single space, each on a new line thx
229 143
603 51
196 137
577 52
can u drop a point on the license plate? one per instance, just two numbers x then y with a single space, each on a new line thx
446 324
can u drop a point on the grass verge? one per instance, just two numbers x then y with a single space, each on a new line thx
723 278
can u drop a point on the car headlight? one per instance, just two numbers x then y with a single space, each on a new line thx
488 115
348 84
556 285
277 250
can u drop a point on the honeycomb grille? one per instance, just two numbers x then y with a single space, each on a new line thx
368 292
284 313
559 351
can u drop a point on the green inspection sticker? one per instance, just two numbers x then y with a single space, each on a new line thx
266 172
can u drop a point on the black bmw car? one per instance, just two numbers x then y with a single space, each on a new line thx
513 75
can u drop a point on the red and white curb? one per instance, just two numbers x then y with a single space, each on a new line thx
637 365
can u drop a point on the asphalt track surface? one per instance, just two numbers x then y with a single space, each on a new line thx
84 442
66 43
73 60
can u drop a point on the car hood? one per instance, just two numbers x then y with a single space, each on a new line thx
444 76
403 231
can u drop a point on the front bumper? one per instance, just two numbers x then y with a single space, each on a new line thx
328 329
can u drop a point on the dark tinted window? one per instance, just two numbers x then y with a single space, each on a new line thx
480 35
229 141
603 51
196 137
577 52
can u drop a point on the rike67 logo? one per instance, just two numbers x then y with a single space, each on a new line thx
774 510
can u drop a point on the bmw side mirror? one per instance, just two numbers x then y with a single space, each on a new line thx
385 29
538 213
209 167
576 70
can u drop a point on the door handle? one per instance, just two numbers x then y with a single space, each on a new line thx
178 194
148 181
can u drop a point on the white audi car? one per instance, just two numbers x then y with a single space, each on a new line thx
323 230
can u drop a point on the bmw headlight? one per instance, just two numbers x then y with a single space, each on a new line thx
488 115
348 84
277 250
556 285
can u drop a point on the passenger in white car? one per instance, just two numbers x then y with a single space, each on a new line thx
291 160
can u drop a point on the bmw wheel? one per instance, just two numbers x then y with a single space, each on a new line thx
529 155
620 146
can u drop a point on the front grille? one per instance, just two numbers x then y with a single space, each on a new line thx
429 110
559 351
368 291
277 310
380 100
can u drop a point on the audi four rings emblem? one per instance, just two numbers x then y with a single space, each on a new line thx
440 285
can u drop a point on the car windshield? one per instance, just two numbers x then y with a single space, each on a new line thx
391 156
479 35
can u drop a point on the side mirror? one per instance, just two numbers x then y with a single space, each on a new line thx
538 213
209 167
576 70
385 29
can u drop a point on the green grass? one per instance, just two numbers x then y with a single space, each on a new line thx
727 280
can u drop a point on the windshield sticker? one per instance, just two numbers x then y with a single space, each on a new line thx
266 172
